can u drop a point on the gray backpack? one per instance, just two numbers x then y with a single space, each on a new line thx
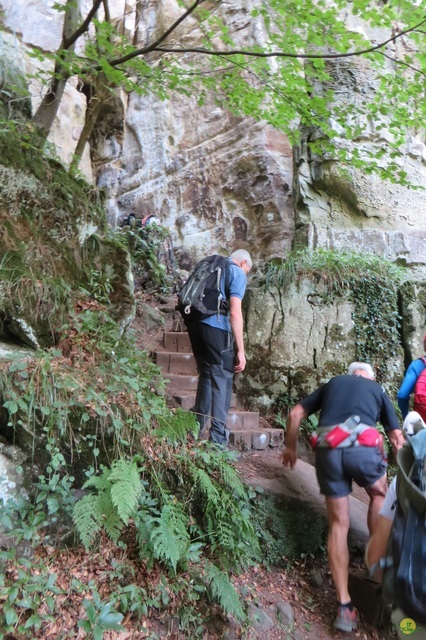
404 575
200 296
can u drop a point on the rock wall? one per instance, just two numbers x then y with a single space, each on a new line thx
219 182
216 180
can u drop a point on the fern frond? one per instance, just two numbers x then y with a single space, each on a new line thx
111 521
176 426
99 482
232 480
220 462
126 488
88 520
223 591
169 536
205 484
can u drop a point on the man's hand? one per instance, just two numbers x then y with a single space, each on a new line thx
289 457
240 362
396 439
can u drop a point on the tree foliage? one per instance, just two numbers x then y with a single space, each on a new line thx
287 73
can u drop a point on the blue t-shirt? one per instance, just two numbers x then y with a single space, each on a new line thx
408 384
237 289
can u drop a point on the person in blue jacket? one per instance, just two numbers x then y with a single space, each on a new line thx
409 382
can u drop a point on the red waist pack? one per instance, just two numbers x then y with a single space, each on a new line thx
370 437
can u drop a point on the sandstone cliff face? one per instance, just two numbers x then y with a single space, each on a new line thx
220 182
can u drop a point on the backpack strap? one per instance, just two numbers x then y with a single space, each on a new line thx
407 492
407 550
227 282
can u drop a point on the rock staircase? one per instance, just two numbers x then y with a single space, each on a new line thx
179 367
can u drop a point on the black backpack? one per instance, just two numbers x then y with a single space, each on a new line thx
200 296
404 575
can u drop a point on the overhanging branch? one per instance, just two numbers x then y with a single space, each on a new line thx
254 54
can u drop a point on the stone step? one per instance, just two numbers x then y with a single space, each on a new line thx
177 341
242 420
187 400
258 439
179 383
175 362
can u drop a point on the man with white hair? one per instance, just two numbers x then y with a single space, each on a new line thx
348 448
218 346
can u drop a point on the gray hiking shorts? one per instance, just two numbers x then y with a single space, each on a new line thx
337 468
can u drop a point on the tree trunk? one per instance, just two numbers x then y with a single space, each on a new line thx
94 108
46 112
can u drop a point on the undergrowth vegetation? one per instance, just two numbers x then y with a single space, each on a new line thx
370 282
287 531
151 249
111 472
114 462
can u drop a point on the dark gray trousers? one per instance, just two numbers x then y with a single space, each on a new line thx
214 352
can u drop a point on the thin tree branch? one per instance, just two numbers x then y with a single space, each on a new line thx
263 81
154 45
281 54
403 63
84 25
107 12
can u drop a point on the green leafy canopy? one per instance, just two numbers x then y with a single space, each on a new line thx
287 73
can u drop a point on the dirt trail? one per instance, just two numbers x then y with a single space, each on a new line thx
305 585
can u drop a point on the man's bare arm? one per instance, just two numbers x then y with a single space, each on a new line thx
294 420
236 321
396 439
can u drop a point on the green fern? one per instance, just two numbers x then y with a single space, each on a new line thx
205 484
126 487
218 462
231 478
222 590
87 517
111 521
169 536
176 426
118 492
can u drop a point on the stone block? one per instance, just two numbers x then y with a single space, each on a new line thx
170 341
177 341
162 359
173 362
241 440
183 364
181 383
261 440
276 437
243 420
251 420
185 401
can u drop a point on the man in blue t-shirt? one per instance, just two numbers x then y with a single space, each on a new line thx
218 346
409 382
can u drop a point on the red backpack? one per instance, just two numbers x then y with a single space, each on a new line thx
420 393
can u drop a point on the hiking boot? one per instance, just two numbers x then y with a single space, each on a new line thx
346 620
203 434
